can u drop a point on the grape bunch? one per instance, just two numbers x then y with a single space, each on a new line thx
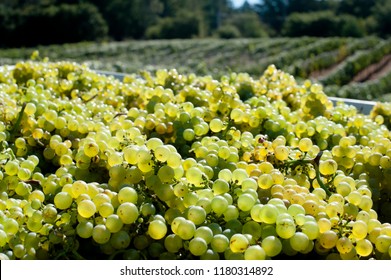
171 166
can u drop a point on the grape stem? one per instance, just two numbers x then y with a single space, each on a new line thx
315 163
18 121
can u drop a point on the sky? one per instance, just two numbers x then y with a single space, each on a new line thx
238 3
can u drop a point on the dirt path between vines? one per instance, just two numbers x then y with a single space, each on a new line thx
319 74
374 71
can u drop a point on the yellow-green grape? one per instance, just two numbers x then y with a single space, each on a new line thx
328 239
299 241
173 243
216 125
254 252
157 229
166 174
79 187
63 200
272 245
281 153
238 243
305 144
101 234
220 186
383 243
286 228
196 214
198 246
114 223
194 176
359 229
86 208
11 168
311 229
84 229
328 167
120 240
91 149
205 233
265 181
245 202
364 247
186 229
127 194
128 212
268 214
106 209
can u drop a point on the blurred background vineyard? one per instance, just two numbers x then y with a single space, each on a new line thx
341 43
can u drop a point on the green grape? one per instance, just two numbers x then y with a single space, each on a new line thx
101 234
79 187
63 200
86 208
162 153
174 160
281 153
328 239
205 233
186 229
194 176
91 149
299 241
220 243
113 223
219 204
220 186
120 240
328 167
254 252
272 245
231 213
188 134
238 243
364 247
127 194
11 226
383 243
210 255
166 174
359 229
157 229
285 228
84 229
305 144
344 245
147 209
173 243
246 202
175 223
196 214
265 181
11 168
198 246
311 229
106 209
216 125
49 214
324 225
127 212
268 214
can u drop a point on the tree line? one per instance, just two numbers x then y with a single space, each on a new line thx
25 23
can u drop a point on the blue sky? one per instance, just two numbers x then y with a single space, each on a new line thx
238 3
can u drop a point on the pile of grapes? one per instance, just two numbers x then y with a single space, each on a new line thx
170 166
